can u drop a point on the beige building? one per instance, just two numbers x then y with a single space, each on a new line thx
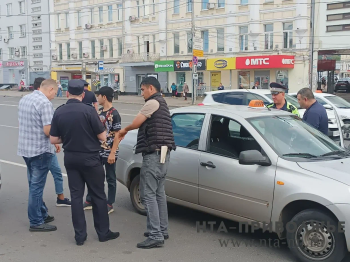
243 43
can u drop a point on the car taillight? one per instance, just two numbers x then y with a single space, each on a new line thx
201 104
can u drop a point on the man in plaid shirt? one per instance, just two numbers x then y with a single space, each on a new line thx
35 113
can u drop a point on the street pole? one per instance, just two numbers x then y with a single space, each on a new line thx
193 66
312 27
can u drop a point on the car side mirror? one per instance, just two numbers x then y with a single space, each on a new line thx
253 157
328 107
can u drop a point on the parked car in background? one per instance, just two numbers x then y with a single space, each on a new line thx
343 84
255 165
244 96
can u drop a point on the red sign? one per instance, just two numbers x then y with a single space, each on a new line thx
14 64
263 62
77 76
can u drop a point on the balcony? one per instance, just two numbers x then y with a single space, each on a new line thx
139 58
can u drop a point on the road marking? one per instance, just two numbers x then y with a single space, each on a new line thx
9 126
20 165
7 105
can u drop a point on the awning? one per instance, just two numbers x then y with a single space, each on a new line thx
137 64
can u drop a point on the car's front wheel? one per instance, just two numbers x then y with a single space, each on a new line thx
313 235
135 195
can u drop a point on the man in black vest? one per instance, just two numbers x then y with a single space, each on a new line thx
155 132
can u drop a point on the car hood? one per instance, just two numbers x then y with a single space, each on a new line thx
343 113
334 169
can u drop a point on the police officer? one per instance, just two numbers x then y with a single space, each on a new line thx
89 97
79 128
279 101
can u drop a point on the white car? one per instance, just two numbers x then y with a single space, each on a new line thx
244 96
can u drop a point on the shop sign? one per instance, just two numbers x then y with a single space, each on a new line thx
221 63
164 66
186 65
14 64
105 70
264 62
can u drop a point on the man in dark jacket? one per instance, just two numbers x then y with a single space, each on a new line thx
155 133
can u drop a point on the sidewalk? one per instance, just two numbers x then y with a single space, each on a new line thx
128 99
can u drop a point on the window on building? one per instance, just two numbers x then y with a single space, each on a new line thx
120 47
9 9
338 17
144 8
287 35
93 50
58 21
204 4
189 6
244 2
0 53
110 13
102 52
92 15
68 50
189 43
23 51
221 3
244 79
21 7
80 50
60 53
154 44
138 45
79 18
100 14
120 12
334 28
67 20
338 5
176 6
11 53
111 48
221 40
22 29
10 32
153 7
176 43
138 8
205 37
268 36
243 38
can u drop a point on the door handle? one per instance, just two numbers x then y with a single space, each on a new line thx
208 164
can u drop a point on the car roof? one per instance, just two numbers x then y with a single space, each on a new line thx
255 91
318 94
239 110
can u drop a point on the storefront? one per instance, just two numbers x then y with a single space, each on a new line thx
15 72
262 70
220 70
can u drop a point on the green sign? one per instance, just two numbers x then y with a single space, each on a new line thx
164 66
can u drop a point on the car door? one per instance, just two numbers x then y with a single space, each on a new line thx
182 175
226 185
233 98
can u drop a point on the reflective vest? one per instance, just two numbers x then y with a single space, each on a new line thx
290 108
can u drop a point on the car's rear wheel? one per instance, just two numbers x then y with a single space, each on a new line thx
135 196
314 236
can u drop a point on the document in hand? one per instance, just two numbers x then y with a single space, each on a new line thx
163 151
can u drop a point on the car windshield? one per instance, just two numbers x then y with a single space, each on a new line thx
289 136
289 99
338 101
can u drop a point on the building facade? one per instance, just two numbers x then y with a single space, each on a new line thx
243 43
24 41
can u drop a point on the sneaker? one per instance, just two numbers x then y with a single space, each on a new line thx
49 219
63 203
43 228
110 209
146 234
150 243
87 206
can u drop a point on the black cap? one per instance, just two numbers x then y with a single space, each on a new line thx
75 87
85 83
278 87
105 91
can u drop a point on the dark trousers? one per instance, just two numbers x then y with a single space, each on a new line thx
87 169
111 179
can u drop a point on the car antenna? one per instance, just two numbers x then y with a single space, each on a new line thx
259 99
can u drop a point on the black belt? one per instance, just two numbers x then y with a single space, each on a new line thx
149 153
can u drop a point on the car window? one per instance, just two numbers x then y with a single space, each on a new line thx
252 96
321 101
187 129
293 101
338 101
229 138
218 98
234 98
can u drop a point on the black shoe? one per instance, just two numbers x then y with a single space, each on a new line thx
43 228
49 219
80 243
146 234
150 243
110 236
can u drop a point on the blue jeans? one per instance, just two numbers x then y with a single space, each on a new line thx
59 93
56 172
37 169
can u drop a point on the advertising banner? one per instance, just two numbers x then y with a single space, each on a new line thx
186 65
164 66
221 63
265 62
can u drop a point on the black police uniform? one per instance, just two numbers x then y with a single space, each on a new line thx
78 125
89 97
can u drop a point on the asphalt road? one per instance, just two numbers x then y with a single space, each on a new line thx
17 244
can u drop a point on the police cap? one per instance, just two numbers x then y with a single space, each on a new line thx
75 87
85 83
276 87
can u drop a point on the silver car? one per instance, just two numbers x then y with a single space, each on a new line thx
256 165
